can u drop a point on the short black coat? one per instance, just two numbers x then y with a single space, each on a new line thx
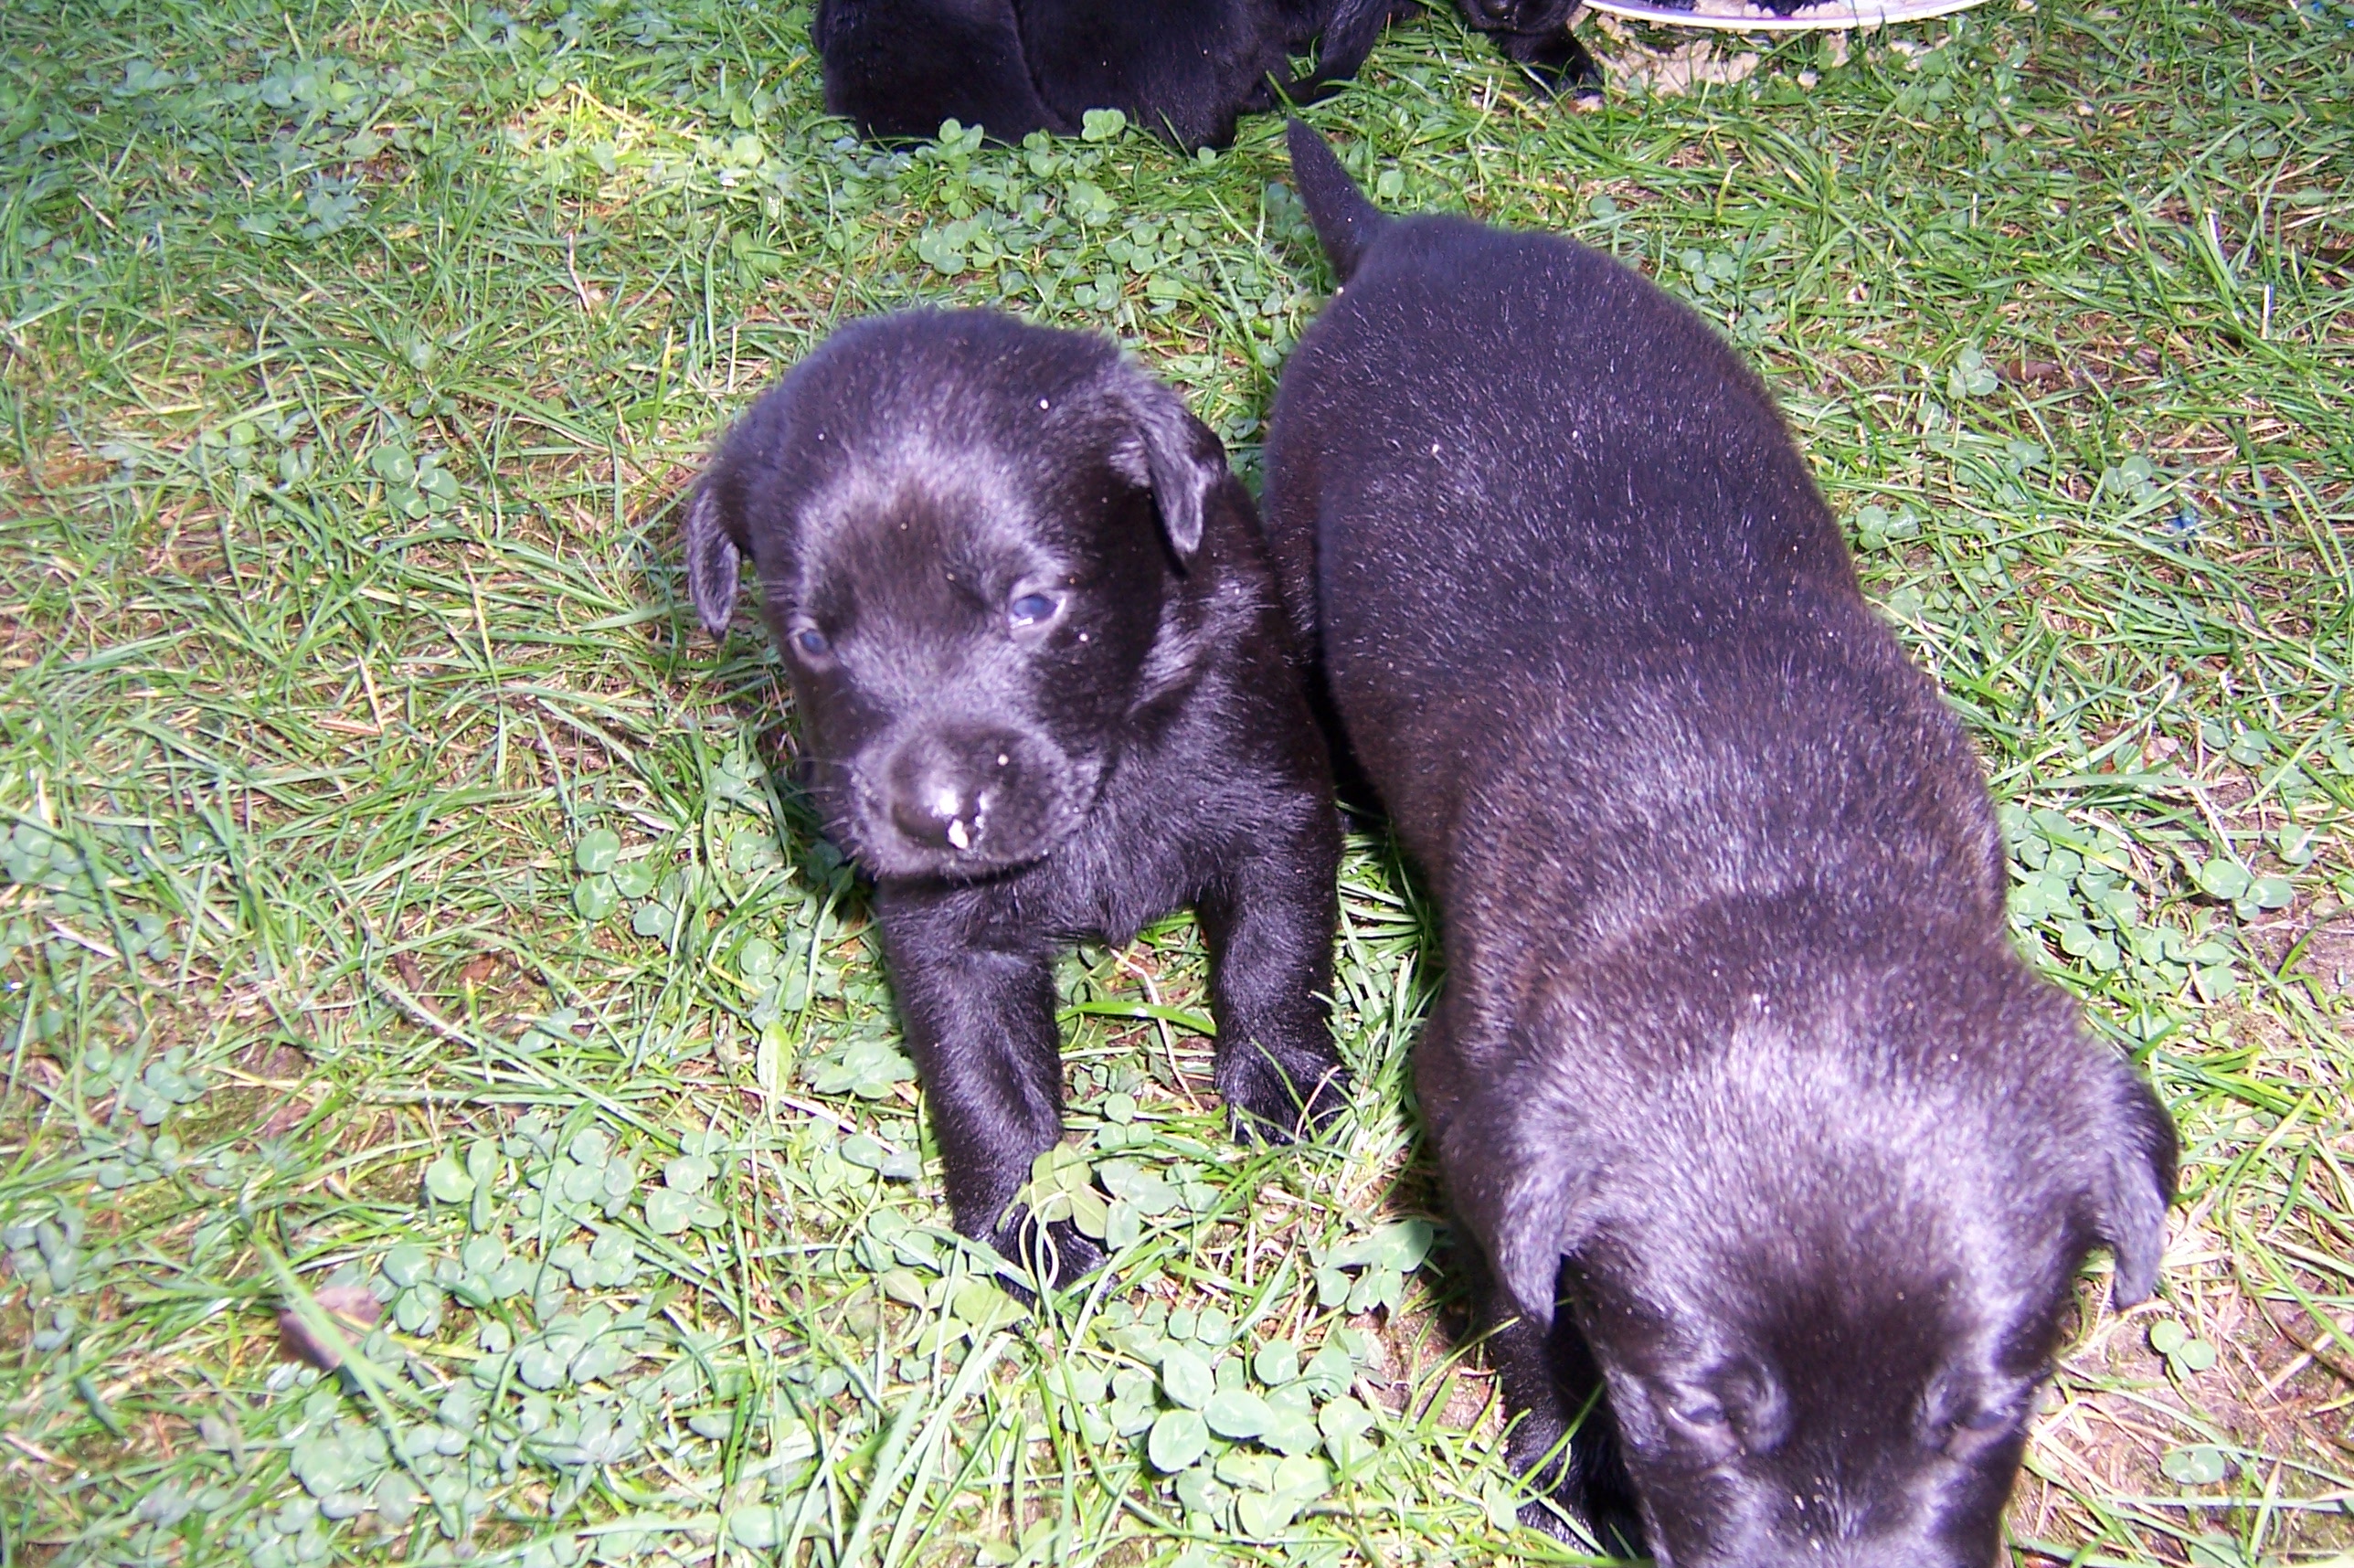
1184 70
1754 1116
1144 747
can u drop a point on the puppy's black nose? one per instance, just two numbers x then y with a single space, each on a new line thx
942 787
1492 12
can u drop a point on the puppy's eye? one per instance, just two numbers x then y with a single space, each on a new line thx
1973 1422
1700 1424
812 641
1030 610
1987 1419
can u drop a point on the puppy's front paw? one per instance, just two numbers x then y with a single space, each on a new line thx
1055 1255
1584 1479
1556 60
1276 1101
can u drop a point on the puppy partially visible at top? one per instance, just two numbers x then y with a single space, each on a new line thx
1777 1161
1184 69
1047 693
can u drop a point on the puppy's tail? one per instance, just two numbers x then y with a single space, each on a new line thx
1346 223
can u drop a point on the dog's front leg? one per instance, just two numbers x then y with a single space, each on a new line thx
1564 1442
1268 923
980 1023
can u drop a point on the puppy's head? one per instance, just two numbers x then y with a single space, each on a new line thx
970 537
1818 1218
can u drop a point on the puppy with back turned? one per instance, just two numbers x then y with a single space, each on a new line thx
1047 693
1185 69
1777 1162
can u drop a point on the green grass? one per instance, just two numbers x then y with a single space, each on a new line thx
351 361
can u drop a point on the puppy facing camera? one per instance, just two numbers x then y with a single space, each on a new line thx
1046 692
1779 1163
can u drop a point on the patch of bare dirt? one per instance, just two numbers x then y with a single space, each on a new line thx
2275 1404
2320 949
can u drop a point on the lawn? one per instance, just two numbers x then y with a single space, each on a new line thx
412 947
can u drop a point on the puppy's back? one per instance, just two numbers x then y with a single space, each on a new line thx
1501 462
1566 431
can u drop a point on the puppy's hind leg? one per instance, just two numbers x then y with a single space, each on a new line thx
980 1023
1268 921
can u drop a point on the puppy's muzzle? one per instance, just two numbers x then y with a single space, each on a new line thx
957 790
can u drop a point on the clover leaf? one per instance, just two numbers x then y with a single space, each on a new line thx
597 850
1178 1438
1185 1377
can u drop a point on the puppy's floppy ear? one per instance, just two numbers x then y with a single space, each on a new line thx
714 557
1544 1217
1518 1149
1172 454
2133 1184
1524 1195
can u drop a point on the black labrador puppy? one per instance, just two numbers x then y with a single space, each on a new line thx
1185 69
1047 692
1779 1161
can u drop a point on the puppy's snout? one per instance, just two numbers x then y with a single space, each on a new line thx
1493 13
943 786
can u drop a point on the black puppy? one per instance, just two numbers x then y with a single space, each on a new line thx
1735 1065
1043 677
1183 69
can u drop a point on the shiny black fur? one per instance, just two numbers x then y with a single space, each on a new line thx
1759 1124
1185 69
1046 683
